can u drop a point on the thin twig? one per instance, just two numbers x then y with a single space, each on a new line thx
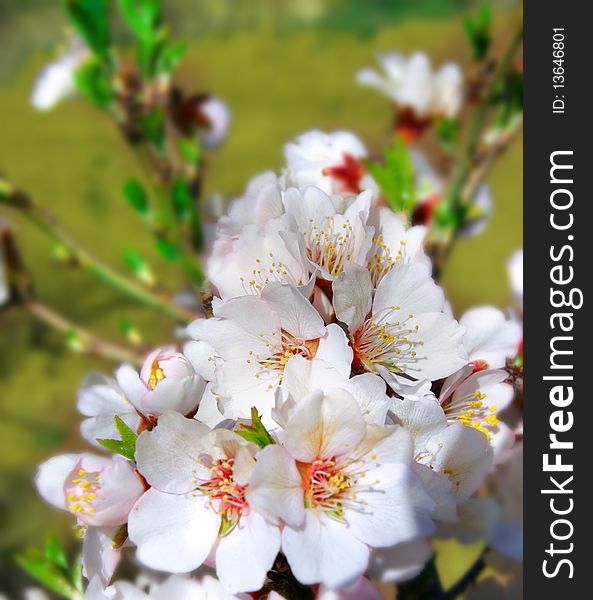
46 222
80 339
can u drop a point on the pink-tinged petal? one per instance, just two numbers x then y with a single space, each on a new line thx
324 426
324 551
131 384
173 533
120 487
394 508
352 295
181 396
51 476
400 562
297 315
275 486
335 351
247 553
167 455
99 556
497 394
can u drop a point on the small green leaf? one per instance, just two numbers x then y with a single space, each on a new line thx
190 150
166 249
139 267
126 446
128 436
117 446
48 573
91 19
136 196
256 432
478 31
170 56
54 551
93 81
182 200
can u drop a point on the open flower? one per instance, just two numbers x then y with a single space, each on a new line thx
255 336
418 93
341 486
475 400
98 490
330 161
197 504
402 327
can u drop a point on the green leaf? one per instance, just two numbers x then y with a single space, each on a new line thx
116 446
136 196
396 177
182 199
256 432
139 267
91 19
126 446
478 31
142 16
166 249
170 56
190 149
93 82
54 551
48 573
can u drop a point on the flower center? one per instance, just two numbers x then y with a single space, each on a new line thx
226 492
82 491
332 245
156 374
382 261
469 410
387 342
266 270
326 485
349 173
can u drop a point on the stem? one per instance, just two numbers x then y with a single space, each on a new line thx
81 339
47 223
467 175
468 578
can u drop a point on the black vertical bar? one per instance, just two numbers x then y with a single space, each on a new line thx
557 120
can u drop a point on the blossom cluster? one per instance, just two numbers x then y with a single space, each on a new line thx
330 409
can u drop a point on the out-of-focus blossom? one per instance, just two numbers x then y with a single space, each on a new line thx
330 161
341 487
56 82
419 93
402 327
214 119
197 504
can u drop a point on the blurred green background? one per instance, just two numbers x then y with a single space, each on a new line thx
283 67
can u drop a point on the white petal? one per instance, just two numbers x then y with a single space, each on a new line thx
400 562
275 486
247 553
297 315
422 418
181 395
173 533
489 336
324 426
394 508
201 355
353 291
334 350
99 557
167 455
51 476
324 551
